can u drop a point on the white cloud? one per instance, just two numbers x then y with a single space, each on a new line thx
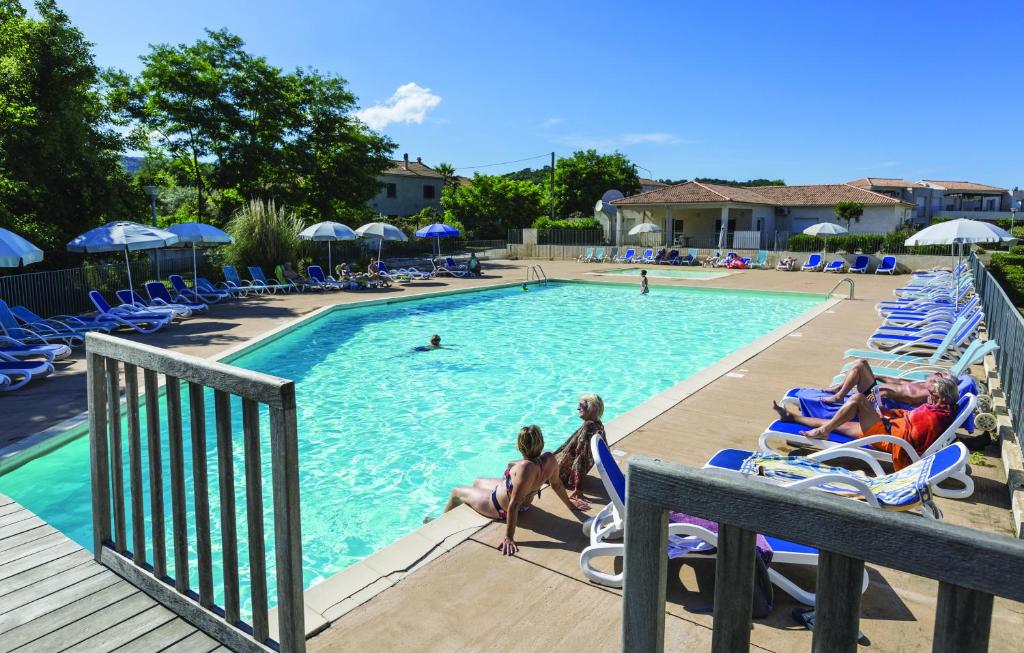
409 104
550 122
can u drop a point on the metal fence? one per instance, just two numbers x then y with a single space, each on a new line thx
62 292
970 565
1005 325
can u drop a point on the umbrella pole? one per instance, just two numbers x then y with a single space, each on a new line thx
128 264
330 269
195 268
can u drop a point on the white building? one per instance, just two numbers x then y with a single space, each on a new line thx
692 213
407 187
944 199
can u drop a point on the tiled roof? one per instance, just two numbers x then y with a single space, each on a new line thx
694 191
816 195
416 169
883 182
824 195
964 186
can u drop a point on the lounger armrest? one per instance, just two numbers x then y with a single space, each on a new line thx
693 530
875 439
859 487
834 453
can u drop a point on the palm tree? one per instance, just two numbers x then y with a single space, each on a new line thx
447 171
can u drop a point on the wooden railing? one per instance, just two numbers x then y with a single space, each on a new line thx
971 566
106 358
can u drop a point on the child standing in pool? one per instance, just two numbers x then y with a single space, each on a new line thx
643 282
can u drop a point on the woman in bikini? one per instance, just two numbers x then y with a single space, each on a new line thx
504 498
920 426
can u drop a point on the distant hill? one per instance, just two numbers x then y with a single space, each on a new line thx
540 176
132 163
749 182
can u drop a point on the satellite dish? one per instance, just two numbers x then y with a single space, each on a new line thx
611 195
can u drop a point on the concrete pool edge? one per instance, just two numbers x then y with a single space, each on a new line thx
342 592
336 596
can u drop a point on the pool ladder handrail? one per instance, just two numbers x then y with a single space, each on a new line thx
841 282
538 274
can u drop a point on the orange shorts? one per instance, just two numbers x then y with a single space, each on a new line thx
897 428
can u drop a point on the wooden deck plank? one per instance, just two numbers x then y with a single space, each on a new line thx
89 626
170 633
126 631
15 516
42 589
9 508
31 534
53 621
56 600
21 526
33 547
197 642
43 571
38 558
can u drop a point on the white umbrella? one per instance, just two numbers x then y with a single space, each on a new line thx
328 231
826 229
959 232
199 234
122 236
16 251
645 228
381 231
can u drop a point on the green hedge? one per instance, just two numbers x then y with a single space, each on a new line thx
548 223
1009 270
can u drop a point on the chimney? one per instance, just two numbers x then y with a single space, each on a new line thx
419 159
406 157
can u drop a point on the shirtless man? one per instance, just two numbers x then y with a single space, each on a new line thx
861 378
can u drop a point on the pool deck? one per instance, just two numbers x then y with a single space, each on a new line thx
54 596
465 596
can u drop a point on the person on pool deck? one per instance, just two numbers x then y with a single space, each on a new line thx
861 378
644 288
473 265
504 498
575 458
291 275
373 272
435 343
920 426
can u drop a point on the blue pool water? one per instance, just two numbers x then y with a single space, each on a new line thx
667 273
384 432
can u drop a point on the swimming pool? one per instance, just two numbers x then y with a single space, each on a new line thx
667 273
385 432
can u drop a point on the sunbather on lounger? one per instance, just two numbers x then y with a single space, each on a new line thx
574 456
373 272
920 426
504 498
291 275
861 378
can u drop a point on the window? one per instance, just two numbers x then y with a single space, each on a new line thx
428 192
392 190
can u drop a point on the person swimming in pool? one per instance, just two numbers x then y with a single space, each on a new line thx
435 343
504 498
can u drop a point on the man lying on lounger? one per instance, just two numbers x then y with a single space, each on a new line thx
920 426
861 378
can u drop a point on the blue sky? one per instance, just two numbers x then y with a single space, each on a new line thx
809 92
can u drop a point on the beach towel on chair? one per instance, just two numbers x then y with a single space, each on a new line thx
903 490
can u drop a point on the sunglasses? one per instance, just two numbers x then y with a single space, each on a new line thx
581 406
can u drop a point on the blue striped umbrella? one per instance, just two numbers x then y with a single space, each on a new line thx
199 234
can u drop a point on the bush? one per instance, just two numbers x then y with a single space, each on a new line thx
547 223
1017 249
1008 269
805 243
265 235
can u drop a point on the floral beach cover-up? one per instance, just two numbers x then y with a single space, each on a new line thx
574 456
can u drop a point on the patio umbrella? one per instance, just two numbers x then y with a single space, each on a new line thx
122 236
328 231
381 231
826 229
436 231
16 251
198 234
959 232
645 228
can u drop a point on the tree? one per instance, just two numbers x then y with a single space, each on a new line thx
60 170
849 211
447 171
489 205
229 120
581 180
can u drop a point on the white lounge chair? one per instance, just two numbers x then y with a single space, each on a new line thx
610 522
